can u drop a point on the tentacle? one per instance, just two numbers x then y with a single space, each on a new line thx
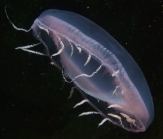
83 75
62 48
88 113
71 48
34 52
88 59
21 29
103 121
71 92
80 103
28 46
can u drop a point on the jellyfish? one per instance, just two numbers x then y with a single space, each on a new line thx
105 74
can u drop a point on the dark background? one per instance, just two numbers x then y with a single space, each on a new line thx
32 104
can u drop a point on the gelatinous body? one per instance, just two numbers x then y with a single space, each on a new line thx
104 72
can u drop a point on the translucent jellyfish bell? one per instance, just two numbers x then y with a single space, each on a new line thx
100 68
